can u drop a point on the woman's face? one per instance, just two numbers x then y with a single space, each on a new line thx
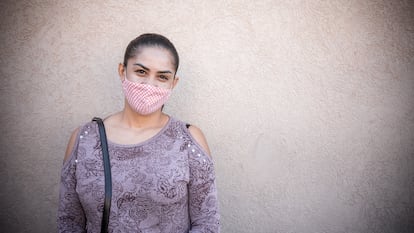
151 65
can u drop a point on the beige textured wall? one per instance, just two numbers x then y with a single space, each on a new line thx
307 105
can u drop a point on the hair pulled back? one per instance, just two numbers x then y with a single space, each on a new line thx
150 40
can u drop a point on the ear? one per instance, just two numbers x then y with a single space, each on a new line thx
176 79
121 71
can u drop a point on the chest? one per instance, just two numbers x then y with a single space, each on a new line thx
154 174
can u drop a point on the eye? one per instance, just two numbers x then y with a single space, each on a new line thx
164 78
140 71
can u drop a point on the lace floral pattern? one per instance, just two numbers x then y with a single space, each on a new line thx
165 184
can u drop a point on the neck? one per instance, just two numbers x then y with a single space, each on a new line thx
132 119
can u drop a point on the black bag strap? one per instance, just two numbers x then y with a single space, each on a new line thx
107 171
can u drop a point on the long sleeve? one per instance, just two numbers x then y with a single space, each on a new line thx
203 202
71 217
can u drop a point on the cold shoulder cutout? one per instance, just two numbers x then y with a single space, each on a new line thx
199 137
71 144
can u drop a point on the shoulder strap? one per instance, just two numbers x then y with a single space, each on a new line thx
107 171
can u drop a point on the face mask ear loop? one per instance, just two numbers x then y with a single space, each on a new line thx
125 77
125 70
172 84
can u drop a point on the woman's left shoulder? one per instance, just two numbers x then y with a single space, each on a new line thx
198 136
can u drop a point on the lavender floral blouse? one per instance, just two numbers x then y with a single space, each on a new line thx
165 184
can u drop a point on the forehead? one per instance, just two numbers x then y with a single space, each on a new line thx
153 57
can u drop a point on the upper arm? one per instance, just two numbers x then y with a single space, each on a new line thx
71 144
200 138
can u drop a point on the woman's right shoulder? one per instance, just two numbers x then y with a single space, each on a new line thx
74 138
77 133
71 143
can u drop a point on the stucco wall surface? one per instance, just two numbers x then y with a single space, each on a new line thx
308 106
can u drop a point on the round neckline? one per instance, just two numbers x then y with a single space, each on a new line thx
158 134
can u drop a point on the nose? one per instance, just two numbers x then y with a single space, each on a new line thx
150 80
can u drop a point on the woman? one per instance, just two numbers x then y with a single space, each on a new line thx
162 173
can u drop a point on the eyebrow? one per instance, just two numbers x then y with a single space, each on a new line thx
146 68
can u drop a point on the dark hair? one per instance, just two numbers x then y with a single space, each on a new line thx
151 40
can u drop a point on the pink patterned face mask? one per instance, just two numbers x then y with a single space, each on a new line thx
145 98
